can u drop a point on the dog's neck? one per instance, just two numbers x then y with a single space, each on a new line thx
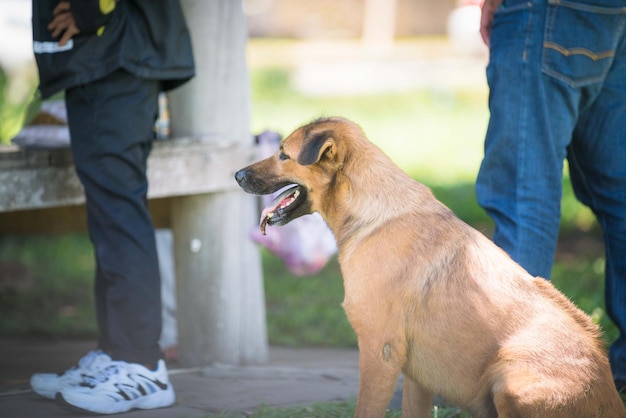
358 209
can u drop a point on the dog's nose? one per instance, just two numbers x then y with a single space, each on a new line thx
240 175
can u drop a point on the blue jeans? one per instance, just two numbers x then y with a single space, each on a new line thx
557 78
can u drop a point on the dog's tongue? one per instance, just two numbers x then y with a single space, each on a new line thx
286 195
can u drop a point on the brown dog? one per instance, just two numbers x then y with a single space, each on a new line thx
431 297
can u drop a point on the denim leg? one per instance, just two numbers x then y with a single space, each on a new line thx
542 76
532 116
597 159
111 128
573 103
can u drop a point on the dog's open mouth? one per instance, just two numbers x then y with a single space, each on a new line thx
288 199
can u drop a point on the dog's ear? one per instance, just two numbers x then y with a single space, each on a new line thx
315 146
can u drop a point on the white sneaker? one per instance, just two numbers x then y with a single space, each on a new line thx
120 387
49 384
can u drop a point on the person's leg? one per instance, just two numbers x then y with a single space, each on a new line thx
111 123
597 159
532 115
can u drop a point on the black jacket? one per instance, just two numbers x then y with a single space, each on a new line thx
148 38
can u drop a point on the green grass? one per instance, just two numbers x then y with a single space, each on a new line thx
331 410
434 133
61 302
305 311
327 410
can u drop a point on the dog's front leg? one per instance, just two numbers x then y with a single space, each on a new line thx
378 375
417 402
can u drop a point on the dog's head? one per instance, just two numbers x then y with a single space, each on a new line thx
305 166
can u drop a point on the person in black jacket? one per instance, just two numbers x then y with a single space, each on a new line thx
112 59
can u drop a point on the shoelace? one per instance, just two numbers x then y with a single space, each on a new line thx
100 376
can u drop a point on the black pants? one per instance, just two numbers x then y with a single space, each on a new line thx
111 122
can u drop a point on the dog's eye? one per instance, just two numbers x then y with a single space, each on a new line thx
282 156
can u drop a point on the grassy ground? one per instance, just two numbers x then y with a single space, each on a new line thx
434 132
336 410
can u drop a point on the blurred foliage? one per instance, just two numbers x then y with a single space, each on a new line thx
305 311
7 112
434 133
12 110
61 301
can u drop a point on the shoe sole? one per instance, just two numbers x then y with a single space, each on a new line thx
60 401
144 404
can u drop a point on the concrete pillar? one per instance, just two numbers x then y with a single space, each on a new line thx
221 308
